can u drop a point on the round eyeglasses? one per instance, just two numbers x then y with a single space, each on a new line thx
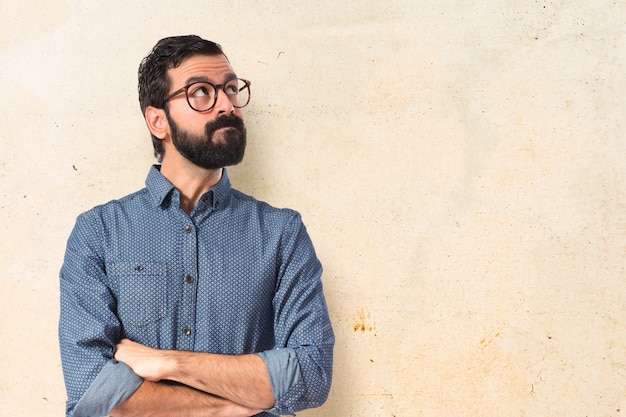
202 95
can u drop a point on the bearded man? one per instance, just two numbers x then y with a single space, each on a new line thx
189 298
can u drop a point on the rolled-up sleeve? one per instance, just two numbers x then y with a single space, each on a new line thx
89 329
302 324
115 382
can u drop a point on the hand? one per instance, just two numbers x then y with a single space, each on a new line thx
148 363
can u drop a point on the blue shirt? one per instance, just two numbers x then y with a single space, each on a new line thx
234 276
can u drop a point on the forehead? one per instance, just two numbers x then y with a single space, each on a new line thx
214 68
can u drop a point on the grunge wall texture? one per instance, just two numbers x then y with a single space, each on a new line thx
460 166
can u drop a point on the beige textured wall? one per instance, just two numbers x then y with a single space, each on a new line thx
460 166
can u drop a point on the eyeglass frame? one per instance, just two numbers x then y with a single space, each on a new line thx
217 89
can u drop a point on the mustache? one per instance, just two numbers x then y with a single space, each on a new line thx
229 120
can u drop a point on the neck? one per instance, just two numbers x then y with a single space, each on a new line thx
191 181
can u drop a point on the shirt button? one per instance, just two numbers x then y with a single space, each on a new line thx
186 331
188 279
187 229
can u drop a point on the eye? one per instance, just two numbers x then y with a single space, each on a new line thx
200 90
232 87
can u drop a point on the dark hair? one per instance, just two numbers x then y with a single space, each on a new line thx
154 82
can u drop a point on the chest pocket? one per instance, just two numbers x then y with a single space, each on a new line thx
142 291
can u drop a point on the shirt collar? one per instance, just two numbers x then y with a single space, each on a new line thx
161 189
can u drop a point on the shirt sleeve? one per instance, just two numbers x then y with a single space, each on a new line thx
301 325
284 370
89 329
115 382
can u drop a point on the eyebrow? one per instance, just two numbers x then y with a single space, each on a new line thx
199 78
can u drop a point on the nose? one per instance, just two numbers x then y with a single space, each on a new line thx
223 103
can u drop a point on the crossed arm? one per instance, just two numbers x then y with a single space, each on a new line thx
212 384
148 382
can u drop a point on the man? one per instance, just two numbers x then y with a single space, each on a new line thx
189 298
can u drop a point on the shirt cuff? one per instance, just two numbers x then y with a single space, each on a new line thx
113 385
284 370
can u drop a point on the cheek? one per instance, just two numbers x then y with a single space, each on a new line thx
196 124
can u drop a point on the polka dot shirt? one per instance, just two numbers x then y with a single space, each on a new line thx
235 276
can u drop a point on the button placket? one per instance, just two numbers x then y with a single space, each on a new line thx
189 254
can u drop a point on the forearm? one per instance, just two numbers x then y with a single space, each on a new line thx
243 378
153 399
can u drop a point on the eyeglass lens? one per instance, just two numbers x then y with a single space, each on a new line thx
202 96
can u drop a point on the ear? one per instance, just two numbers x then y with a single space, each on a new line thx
157 122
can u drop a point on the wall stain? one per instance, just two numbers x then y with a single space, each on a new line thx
363 322
487 341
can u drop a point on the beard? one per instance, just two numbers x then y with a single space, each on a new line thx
213 150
